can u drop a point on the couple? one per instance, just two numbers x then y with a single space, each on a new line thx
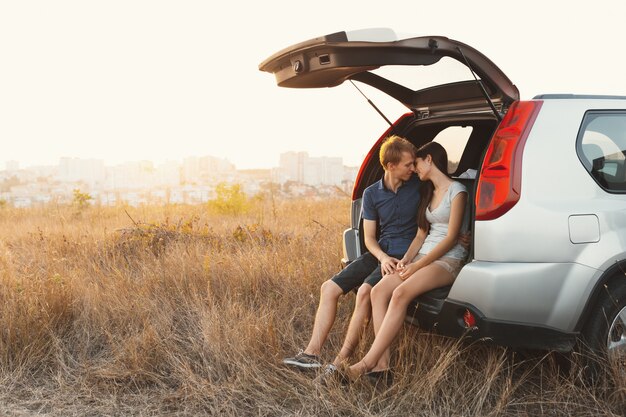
409 258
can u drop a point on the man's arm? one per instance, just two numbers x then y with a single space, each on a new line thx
387 263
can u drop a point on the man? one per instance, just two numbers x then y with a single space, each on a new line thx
393 202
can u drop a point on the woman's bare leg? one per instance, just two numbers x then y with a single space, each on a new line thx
426 279
381 295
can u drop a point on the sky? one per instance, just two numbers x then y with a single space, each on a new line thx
163 80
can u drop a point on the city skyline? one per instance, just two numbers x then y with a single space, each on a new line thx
193 180
51 162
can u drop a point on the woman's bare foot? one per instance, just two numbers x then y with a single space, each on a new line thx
340 362
355 371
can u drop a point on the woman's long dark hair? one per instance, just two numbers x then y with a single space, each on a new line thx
440 159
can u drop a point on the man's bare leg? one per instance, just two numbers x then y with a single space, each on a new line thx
325 317
358 323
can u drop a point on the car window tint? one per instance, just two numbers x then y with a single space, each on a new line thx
454 139
602 146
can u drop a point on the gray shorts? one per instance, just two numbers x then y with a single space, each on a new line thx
452 265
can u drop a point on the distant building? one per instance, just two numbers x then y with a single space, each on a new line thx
44 171
168 173
206 169
254 174
300 168
191 182
90 171
291 167
132 175
324 171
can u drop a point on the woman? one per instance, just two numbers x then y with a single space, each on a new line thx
433 260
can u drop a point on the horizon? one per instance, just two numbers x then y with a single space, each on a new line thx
26 165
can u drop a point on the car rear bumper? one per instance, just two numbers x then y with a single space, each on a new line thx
448 321
541 294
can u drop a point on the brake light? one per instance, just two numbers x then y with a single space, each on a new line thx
500 181
469 319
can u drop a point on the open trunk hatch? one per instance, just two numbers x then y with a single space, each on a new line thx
330 60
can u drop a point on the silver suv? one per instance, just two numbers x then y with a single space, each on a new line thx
547 205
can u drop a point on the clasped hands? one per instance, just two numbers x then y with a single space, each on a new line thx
404 267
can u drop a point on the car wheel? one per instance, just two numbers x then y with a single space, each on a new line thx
604 336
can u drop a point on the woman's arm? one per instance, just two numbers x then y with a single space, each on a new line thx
413 249
457 210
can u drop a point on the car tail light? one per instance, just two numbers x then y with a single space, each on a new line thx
469 319
499 186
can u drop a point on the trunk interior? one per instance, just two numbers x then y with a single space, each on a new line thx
420 132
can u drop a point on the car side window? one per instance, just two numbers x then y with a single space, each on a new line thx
601 146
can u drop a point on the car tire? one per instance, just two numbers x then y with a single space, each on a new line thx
603 338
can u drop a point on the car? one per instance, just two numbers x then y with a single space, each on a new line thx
547 207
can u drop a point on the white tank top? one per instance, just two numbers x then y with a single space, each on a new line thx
439 219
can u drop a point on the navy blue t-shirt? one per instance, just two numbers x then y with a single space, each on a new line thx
395 212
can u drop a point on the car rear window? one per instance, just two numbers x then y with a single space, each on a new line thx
446 71
601 147
454 139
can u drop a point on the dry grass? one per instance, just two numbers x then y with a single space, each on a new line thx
190 313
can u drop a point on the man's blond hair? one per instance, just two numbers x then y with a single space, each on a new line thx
392 149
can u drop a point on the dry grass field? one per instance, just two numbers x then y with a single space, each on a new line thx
176 311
